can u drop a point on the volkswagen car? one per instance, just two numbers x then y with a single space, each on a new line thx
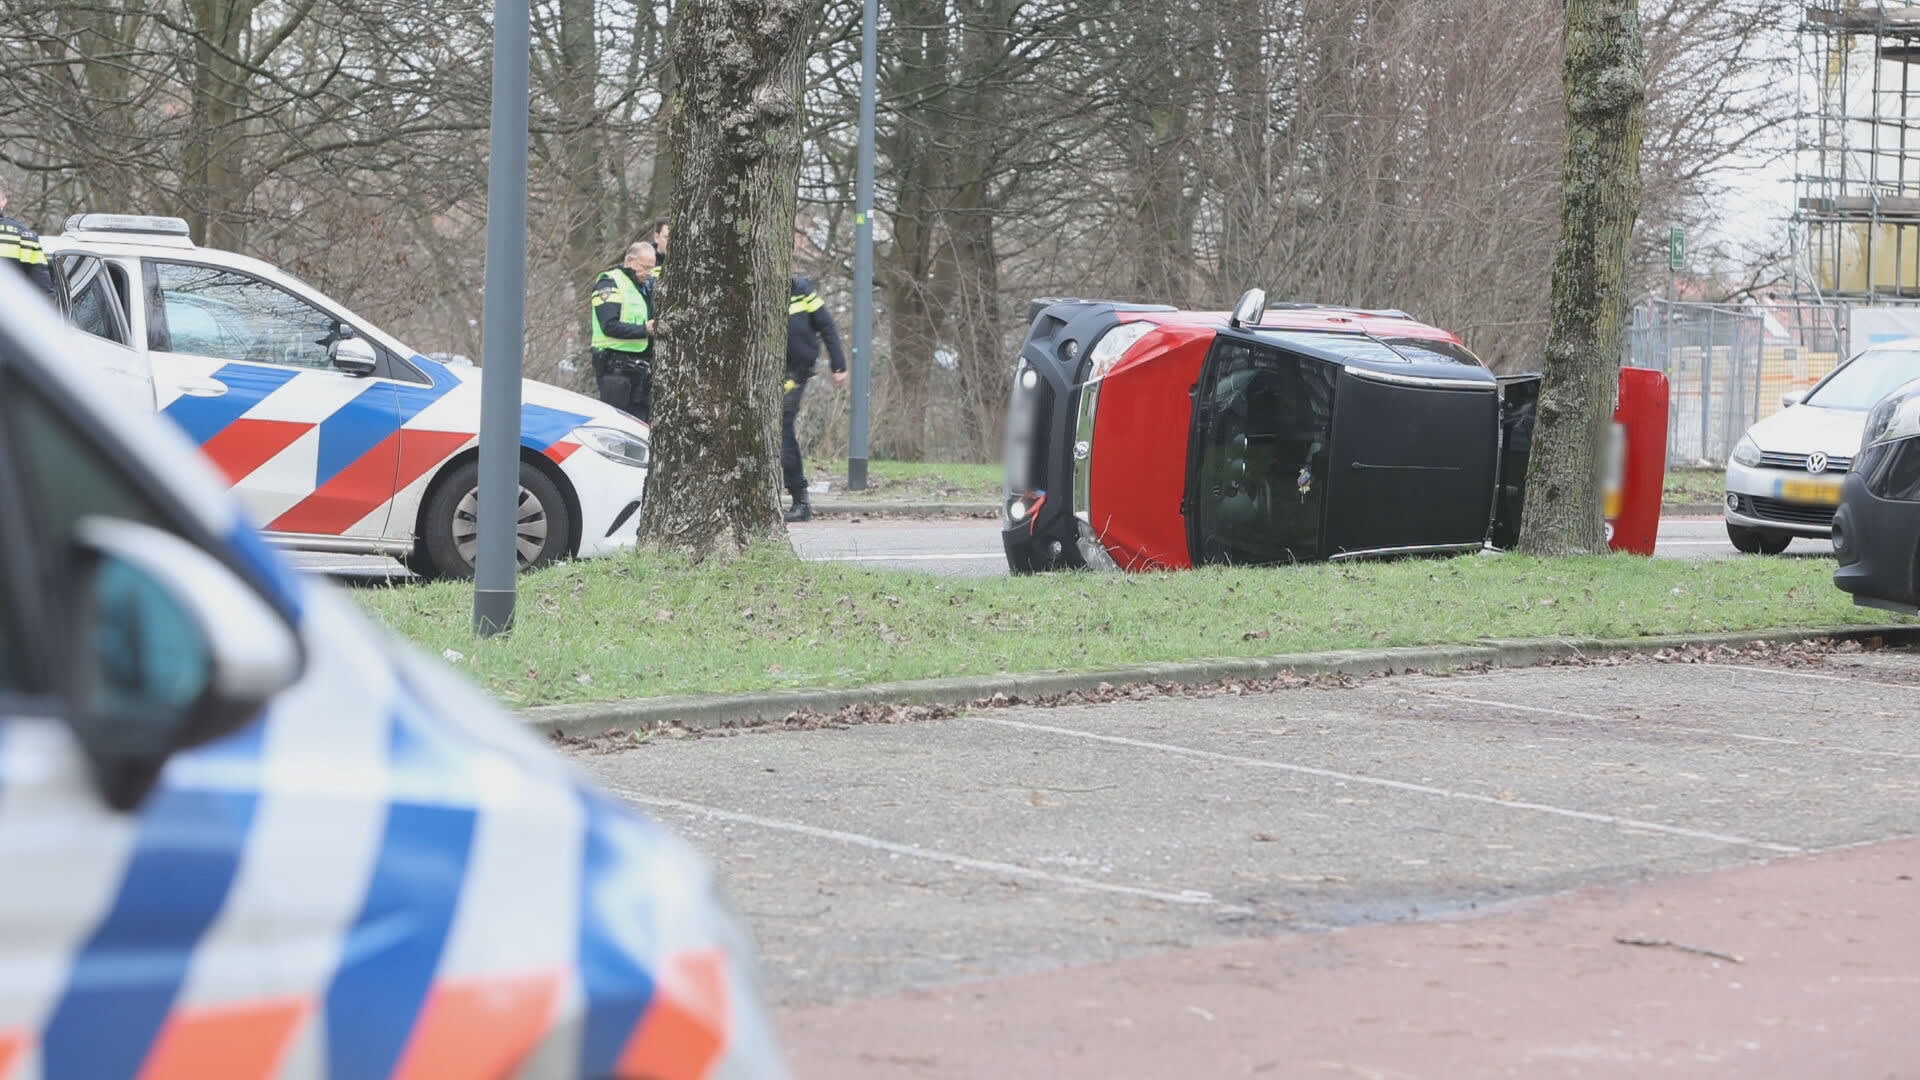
1785 477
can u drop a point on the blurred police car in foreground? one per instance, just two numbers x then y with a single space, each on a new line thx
244 834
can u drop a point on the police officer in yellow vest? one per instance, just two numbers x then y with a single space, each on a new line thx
623 331
20 247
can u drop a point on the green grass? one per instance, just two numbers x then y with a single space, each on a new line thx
644 625
1694 486
915 480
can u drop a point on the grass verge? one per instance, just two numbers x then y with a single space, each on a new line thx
915 480
646 625
1694 487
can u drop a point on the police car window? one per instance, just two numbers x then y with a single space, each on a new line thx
64 477
208 311
92 303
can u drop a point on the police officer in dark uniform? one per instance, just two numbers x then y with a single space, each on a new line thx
808 324
20 247
623 331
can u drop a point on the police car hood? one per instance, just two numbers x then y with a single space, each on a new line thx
548 396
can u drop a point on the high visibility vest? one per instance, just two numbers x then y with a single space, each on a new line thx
633 309
20 247
804 305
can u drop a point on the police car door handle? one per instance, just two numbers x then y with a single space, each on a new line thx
202 387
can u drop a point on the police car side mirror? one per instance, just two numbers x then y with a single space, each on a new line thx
170 649
354 355
1791 398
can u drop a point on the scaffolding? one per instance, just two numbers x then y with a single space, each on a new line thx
1857 157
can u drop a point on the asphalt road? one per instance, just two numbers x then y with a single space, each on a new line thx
883 857
969 547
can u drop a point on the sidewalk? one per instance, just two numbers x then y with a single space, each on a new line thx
1828 985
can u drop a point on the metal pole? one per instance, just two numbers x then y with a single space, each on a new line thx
503 324
863 257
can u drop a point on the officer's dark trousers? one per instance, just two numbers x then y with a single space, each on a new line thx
790 469
625 385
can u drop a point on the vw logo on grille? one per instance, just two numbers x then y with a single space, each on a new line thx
1816 462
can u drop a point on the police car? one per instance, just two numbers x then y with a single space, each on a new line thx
334 435
243 834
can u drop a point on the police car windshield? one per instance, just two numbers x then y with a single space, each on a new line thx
1862 382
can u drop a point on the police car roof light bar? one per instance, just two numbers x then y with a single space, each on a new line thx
129 223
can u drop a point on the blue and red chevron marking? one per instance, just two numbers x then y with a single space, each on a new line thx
366 452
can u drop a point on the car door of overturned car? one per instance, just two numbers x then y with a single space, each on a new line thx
1311 445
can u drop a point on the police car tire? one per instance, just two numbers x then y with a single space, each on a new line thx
443 559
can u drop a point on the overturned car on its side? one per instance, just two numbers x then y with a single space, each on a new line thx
1145 437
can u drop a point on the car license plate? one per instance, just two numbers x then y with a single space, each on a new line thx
1820 491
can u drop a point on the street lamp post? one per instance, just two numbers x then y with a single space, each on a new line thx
863 259
503 323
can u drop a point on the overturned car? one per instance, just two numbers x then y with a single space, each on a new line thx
1143 437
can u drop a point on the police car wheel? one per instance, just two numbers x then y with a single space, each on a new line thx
452 522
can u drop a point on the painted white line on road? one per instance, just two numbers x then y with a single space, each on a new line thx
1807 675
1396 785
1190 897
1664 726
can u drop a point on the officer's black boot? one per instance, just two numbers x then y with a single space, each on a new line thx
802 510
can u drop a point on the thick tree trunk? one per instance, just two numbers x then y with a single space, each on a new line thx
590 249
1606 98
736 143
217 187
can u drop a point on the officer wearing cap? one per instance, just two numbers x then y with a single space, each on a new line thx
623 330
20 246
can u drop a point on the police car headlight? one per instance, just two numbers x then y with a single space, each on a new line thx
615 445
1896 417
1746 452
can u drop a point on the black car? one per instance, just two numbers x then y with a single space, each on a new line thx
1876 532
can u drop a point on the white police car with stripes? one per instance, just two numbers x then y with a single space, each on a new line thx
334 435
245 835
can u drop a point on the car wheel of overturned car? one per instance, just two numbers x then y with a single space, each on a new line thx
1757 541
451 523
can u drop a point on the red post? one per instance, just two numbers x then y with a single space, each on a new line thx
1637 464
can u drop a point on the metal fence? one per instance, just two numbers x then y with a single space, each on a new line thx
1728 365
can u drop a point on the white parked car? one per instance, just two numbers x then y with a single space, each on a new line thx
1785 475
334 435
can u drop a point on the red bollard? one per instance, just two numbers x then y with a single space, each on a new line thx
1637 462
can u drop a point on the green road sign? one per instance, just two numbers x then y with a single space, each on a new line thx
1676 248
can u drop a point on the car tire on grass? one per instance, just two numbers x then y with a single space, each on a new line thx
1757 541
450 524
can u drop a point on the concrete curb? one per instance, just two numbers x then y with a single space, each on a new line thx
714 711
855 507
1712 509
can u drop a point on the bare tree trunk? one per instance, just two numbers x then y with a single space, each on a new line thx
1605 78
587 208
736 143
217 187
